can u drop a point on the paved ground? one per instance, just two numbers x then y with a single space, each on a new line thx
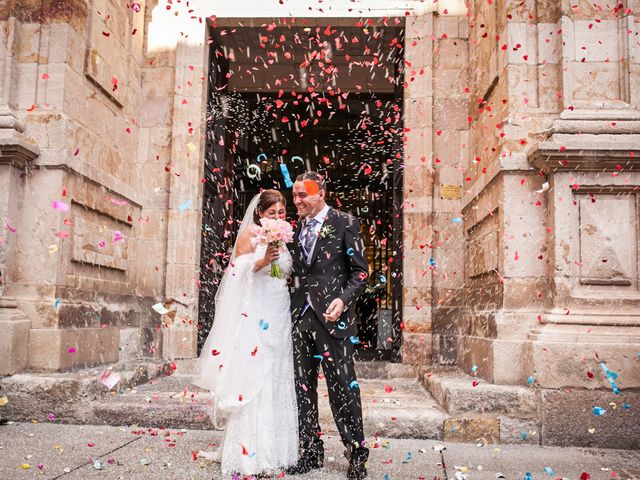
70 452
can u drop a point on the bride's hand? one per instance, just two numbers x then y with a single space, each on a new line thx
270 255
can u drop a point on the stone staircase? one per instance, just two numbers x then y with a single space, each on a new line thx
395 404
399 401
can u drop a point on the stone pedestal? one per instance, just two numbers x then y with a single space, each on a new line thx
14 338
592 317
56 349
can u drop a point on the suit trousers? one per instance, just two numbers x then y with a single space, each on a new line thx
314 346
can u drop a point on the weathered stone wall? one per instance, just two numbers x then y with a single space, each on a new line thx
76 70
565 71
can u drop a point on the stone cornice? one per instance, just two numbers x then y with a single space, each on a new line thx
592 160
17 152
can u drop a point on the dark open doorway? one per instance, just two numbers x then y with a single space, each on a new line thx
261 137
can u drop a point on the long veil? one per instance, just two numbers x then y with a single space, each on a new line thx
228 365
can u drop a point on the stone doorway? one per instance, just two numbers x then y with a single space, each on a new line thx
274 112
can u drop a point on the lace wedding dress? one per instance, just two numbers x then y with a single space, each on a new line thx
247 365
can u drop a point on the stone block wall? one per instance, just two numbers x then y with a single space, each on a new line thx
76 84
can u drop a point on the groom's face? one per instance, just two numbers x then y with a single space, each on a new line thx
307 198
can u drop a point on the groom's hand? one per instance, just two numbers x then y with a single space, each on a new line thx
334 310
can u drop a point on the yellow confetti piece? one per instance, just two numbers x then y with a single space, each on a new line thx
592 430
3 400
191 146
53 249
25 466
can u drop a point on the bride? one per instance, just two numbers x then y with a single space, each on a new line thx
247 360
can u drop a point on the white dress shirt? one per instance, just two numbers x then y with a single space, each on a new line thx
320 218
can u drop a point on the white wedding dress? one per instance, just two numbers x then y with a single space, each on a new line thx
247 365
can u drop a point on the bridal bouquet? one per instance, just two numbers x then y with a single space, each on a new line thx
274 232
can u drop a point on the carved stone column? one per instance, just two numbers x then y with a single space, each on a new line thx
15 156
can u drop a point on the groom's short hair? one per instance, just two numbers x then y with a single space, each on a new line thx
315 176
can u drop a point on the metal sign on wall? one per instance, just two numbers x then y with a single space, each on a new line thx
450 192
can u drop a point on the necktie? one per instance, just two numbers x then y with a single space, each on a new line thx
309 237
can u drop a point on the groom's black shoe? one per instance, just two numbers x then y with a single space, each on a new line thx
306 463
357 463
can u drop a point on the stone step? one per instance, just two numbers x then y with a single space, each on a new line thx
366 370
459 393
69 395
407 411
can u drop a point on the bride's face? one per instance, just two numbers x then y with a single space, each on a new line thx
276 210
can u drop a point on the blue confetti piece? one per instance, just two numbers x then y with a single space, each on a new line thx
319 357
183 206
409 456
474 368
354 384
351 252
527 476
56 304
386 477
285 174
531 379
548 470
524 435
264 325
598 411
626 406
382 278
608 372
342 325
354 340
262 155
432 262
456 220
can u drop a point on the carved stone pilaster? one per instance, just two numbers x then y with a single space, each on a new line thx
15 155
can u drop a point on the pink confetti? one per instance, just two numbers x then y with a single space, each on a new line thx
58 205
72 350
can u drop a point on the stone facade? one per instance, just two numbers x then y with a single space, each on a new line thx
522 147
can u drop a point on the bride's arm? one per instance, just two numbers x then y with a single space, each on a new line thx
245 246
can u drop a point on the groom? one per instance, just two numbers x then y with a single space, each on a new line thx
329 273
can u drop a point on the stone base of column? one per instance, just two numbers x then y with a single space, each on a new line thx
416 348
179 342
563 356
53 349
495 360
14 339
492 347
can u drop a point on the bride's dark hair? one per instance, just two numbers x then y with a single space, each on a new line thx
268 198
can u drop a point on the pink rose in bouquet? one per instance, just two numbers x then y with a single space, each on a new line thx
274 232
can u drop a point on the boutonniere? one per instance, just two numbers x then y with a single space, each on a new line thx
327 231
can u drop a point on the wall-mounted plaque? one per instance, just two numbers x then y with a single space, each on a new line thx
450 192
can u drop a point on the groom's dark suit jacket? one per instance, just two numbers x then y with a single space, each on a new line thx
338 269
